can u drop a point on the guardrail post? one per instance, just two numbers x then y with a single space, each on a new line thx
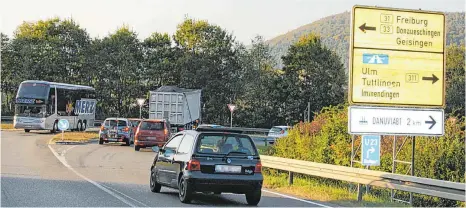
265 141
290 178
359 192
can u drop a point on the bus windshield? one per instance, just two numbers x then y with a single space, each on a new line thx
30 110
33 90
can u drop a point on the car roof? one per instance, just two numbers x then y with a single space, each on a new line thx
135 119
155 120
113 118
281 126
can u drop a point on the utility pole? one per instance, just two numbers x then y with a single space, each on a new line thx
140 103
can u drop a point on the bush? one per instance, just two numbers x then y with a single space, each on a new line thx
326 140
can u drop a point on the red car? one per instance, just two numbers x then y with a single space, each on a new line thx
151 132
134 123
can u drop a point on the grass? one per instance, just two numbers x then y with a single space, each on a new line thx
263 150
8 126
75 136
324 190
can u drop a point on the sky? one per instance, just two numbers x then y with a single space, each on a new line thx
244 18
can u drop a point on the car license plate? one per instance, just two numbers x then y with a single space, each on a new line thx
112 140
151 138
227 169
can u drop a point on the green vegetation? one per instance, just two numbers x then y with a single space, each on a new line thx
7 126
325 140
325 190
75 136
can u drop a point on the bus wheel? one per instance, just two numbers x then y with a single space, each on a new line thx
80 126
84 126
27 130
54 128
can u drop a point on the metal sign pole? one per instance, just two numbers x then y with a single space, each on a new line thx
231 121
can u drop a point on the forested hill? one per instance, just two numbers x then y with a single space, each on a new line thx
335 30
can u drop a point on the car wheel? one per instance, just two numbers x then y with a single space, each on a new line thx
136 148
154 186
253 197
184 191
101 141
127 142
27 130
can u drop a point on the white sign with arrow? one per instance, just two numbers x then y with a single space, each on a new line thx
396 121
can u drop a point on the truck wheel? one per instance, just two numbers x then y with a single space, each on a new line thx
27 130
84 126
101 141
136 148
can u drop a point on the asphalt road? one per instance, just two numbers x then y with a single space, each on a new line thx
34 173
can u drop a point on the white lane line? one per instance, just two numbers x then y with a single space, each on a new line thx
291 197
63 161
124 195
64 151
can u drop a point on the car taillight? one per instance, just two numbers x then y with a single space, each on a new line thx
166 132
258 168
282 131
102 128
126 129
193 165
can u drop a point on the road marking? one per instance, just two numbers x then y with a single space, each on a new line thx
291 197
124 195
63 161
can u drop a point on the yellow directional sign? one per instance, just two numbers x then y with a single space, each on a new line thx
397 57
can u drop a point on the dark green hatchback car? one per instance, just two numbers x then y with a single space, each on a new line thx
208 160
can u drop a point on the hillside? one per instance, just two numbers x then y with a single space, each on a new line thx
335 30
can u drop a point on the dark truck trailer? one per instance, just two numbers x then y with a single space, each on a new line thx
181 107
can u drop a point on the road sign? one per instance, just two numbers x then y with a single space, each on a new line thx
231 107
63 124
370 150
396 121
397 57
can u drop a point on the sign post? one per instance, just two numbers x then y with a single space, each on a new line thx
232 108
63 125
140 103
397 57
370 150
397 63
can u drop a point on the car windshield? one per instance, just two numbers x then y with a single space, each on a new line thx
135 122
120 123
33 90
223 144
147 125
275 129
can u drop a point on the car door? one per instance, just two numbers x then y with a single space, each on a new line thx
166 158
181 157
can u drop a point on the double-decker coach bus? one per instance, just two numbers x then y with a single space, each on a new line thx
40 104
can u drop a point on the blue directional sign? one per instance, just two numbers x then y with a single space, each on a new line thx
369 58
63 124
370 154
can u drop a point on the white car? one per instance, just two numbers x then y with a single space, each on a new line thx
278 131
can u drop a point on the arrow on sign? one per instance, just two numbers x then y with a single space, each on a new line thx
363 28
371 150
433 78
432 121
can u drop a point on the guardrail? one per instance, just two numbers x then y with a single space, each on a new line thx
431 187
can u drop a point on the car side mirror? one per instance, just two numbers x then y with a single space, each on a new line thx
155 149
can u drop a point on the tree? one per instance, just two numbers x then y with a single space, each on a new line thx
455 96
119 68
209 62
313 74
